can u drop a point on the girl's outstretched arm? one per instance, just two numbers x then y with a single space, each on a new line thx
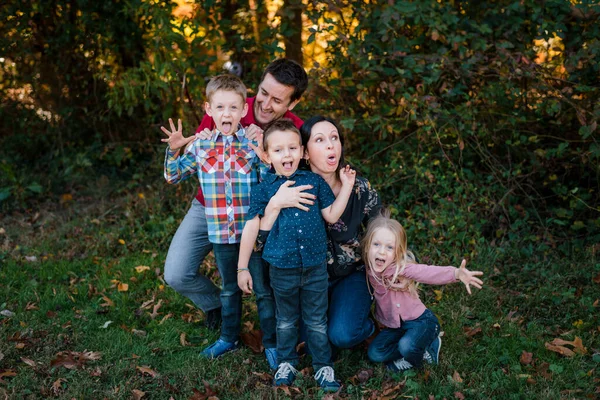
468 277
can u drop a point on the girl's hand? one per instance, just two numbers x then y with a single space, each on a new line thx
175 136
287 196
468 277
347 176
245 281
205 134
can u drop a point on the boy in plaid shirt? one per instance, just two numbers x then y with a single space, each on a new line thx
227 168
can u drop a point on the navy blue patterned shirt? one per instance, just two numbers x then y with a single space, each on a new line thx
298 238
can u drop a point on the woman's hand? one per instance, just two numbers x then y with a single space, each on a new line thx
468 277
288 196
175 137
347 176
245 281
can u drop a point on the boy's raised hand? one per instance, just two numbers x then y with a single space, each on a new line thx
468 277
175 137
347 176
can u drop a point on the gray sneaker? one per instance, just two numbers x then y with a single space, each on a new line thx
432 354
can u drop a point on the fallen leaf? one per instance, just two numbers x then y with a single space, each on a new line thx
166 317
456 377
438 294
108 302
50 314
558 346
364 375
183 341
122 287
31 258
96 372
20 346
28 361
542 370
74 359
596 279
253 339
7 313
155 309
1 355
121 241
7 373
148 371
57 386
31 306
209 393
138 394
459 395
470 332
138 332
142 268
263 376
526 358
106 324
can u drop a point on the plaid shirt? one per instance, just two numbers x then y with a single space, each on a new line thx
227 169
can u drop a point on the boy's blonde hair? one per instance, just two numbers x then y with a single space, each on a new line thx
401 253
226 82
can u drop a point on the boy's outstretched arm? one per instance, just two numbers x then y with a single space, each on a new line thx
468 277
249 235
332 213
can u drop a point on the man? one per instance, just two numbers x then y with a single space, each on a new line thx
281 87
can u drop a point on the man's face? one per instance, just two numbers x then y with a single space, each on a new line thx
272 100
227 109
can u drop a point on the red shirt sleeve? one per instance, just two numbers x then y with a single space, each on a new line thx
206 123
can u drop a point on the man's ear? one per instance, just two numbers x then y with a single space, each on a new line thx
293 104
245 110
207 109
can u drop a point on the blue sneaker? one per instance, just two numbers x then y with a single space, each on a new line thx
432 354
271 355
326 378
285 375
399 365
219 348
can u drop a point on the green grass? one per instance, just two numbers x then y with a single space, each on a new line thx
85 249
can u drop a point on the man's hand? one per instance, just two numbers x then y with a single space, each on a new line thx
254 132
175 137
205 134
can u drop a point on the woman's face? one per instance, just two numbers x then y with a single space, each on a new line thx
324 148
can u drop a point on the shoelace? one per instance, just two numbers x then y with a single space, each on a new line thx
427 357
402 364
327 374
284 370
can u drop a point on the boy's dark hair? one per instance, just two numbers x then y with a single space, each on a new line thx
288 73
306 131
280 125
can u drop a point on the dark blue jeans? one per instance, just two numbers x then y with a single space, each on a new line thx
301 291
349 306
408 341
226 256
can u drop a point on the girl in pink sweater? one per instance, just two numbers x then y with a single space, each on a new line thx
412 330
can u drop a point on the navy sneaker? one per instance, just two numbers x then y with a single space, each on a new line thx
219 348
399 365
432 354
326 378
285 375
271 355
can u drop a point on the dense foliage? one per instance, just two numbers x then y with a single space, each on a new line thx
476 121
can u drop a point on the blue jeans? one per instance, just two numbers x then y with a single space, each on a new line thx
349 306
301 290
188 249
409 341
227 256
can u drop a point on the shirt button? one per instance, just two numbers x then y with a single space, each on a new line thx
296 214
398 305
299 230
301 247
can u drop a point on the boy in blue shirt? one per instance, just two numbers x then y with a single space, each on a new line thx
228 168
296 248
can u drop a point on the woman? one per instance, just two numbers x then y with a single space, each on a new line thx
349 297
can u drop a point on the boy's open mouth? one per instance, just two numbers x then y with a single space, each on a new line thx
287 165
226 127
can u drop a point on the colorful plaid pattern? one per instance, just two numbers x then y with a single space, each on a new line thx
227 169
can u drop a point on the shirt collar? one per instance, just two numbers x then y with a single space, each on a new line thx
240 134
272 176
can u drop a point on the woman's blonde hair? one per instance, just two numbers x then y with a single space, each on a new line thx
401 257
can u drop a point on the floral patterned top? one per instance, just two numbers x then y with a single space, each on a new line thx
343 247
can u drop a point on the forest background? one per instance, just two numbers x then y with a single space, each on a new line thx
475 121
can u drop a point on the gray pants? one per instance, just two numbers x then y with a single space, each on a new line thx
188 249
